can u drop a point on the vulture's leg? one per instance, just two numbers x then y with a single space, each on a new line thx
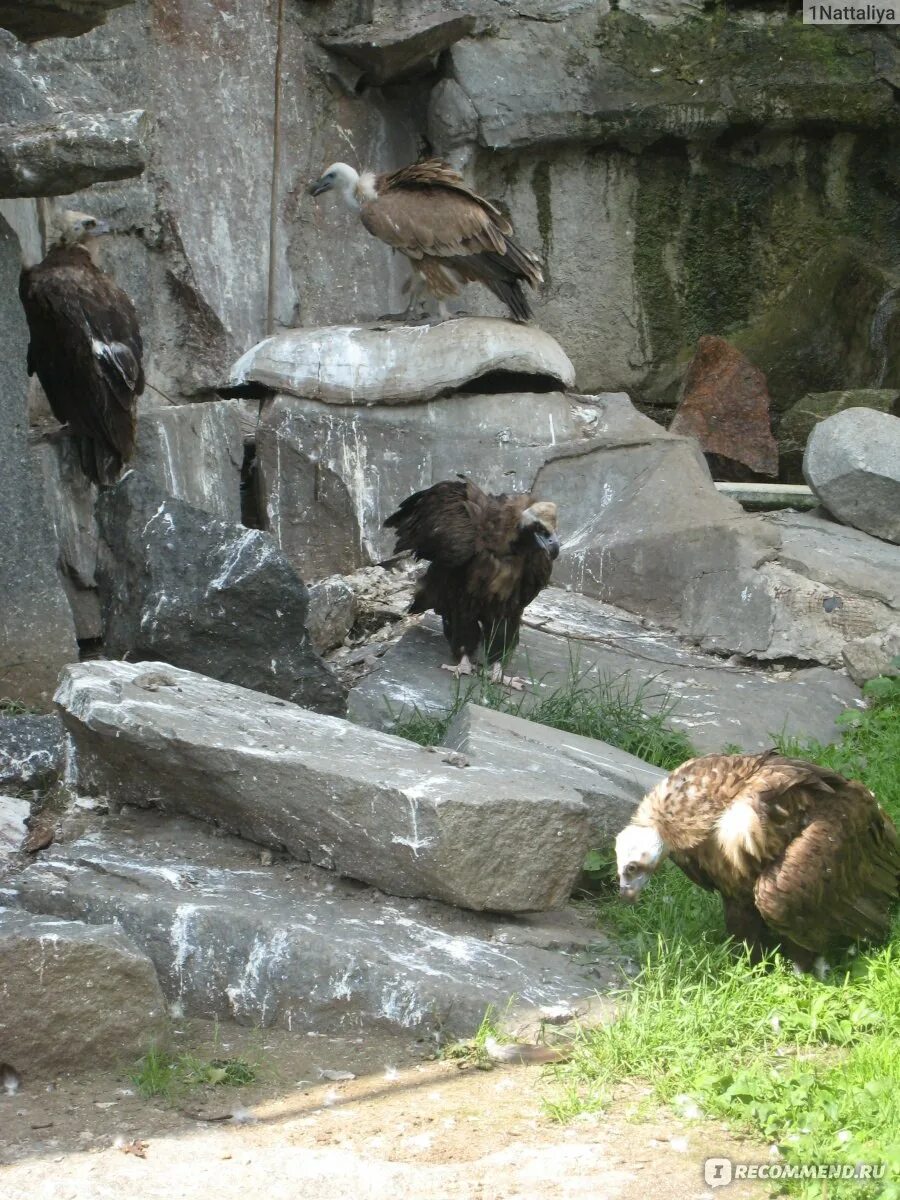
745 924
463 634
415 312
502 641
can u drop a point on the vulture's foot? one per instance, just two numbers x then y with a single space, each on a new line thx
511 681
818 967
463 667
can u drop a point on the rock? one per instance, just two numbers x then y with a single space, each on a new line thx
74 997
13 829
610 781
400 364
852 463
181 586
31 751
798 422
590 80
385 54
195 453
71 152
725 405
366 805
54 18
877 654
713 703
70 498
36 631
837 325
332 611
831 587
299 948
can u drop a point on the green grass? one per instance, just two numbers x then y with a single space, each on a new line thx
588 703
812 1068
14 708
473 1051
163 1075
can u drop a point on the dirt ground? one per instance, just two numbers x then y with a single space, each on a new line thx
408 1127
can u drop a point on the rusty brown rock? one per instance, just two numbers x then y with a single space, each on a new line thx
724 404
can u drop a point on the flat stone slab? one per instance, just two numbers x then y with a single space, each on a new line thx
71 151
398 364
716 704
610 781
296 947
73 995
384 53
366 805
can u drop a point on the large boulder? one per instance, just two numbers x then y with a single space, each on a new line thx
725 405
798 422
369 806
181 586
31 751
74 996
37 634
384 53
71 151
852 463
295 947
54 18
610 781
400 364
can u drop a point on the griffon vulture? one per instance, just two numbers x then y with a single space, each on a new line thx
85 346
450 235
489 556
800 856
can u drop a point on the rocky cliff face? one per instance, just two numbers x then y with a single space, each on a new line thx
677 168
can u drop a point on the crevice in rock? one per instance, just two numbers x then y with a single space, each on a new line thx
250 514
499 382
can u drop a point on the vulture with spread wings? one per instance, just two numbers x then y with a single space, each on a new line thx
85 346
450 235
800 856
489 556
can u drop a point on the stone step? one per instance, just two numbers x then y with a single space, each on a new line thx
295 946
716 703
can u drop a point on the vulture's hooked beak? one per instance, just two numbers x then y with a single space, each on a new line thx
628 894
318 186
99 228
548 542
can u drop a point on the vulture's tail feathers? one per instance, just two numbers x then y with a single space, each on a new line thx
513 297
100 464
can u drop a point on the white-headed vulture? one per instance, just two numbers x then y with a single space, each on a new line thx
801 857
450 235
488 557
85 346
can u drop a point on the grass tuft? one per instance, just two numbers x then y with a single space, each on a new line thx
588 703
166 1076
812 1068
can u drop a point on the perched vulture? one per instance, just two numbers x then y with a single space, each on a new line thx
450 235
800 856
85 346
489 556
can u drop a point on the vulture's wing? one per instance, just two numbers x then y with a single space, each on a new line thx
88 324
442 523
434 173
840 875
445 223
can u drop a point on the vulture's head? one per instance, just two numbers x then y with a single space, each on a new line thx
639 851
540 521
75 228
338 177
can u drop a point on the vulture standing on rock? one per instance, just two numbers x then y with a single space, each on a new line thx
800 856
489 556
85 346
451 236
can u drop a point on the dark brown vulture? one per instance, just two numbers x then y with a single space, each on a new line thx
85 347
489 556
450 235
800 856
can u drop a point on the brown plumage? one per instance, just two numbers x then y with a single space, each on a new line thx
800 855
85 348
451 235
489 556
